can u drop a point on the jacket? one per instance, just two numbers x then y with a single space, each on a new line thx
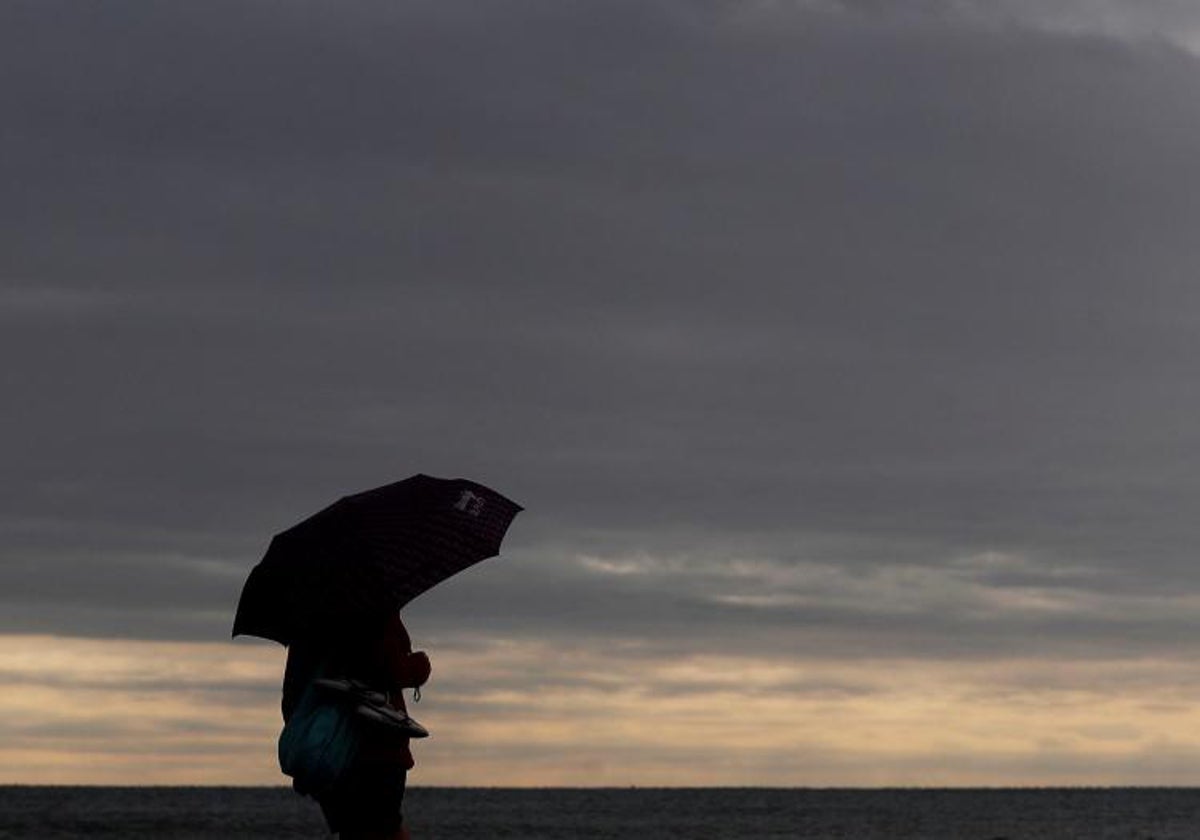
384 660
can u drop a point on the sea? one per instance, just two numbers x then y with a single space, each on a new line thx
207 813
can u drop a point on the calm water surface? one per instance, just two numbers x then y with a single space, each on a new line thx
559 814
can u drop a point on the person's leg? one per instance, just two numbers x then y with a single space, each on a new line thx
370 807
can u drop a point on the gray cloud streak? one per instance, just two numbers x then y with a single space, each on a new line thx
697 281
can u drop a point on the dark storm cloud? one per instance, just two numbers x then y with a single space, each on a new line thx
812 286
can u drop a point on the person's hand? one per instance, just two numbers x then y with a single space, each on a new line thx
411 670
417 668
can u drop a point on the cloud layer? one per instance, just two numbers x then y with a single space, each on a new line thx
814 330
95 712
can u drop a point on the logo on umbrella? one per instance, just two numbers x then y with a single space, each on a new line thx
469 503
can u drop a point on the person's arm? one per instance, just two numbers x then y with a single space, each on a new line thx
405 668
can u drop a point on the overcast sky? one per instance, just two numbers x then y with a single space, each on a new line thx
820 341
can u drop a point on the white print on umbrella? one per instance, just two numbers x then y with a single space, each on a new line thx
469 503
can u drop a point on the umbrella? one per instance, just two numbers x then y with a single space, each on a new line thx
351 565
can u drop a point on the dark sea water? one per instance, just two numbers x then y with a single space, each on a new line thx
551 814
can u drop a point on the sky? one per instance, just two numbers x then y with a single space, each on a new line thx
843 357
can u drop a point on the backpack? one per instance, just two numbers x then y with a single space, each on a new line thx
319 742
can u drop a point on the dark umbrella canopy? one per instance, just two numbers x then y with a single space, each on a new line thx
351 565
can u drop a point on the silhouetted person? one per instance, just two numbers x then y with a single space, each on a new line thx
366 804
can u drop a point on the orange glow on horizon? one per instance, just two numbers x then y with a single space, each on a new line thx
510 713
